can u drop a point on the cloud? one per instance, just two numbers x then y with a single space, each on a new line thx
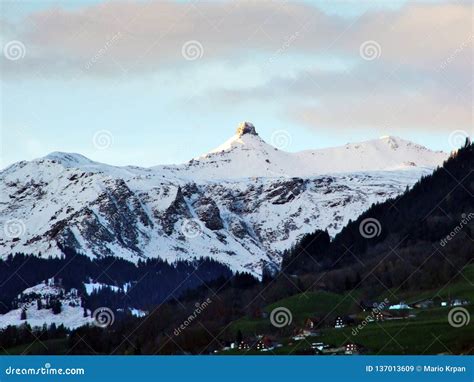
420 75
369 94
134 38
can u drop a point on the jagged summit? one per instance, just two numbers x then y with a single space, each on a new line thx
246 155
246 128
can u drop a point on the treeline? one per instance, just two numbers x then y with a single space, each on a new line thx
149 282
13 336
407 249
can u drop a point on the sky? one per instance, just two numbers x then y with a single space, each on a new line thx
155 82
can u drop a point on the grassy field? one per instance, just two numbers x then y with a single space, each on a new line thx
301 306
427 333
461 287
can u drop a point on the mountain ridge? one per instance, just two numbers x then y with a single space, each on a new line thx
373 153
220 206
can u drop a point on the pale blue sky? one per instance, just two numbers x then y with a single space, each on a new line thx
296 67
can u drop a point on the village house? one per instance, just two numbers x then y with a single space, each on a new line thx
401 306
339 323
265 343
313 322
459 302
307 331
320 346
352 348
423 304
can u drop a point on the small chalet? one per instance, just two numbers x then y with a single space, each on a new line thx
423 304
379 317
265 344
312 322
352 348
319 346
401 306
459 302
340 323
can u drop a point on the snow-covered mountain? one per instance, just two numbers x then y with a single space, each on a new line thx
247 155
242 203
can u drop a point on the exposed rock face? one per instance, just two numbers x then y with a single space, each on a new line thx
246 128
209 213
247 202
177 210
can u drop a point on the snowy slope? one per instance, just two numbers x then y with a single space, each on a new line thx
246 155
71 315
241 204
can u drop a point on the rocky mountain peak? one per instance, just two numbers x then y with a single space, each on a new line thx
246 128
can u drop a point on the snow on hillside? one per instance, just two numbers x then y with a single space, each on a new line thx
71 315
241 204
